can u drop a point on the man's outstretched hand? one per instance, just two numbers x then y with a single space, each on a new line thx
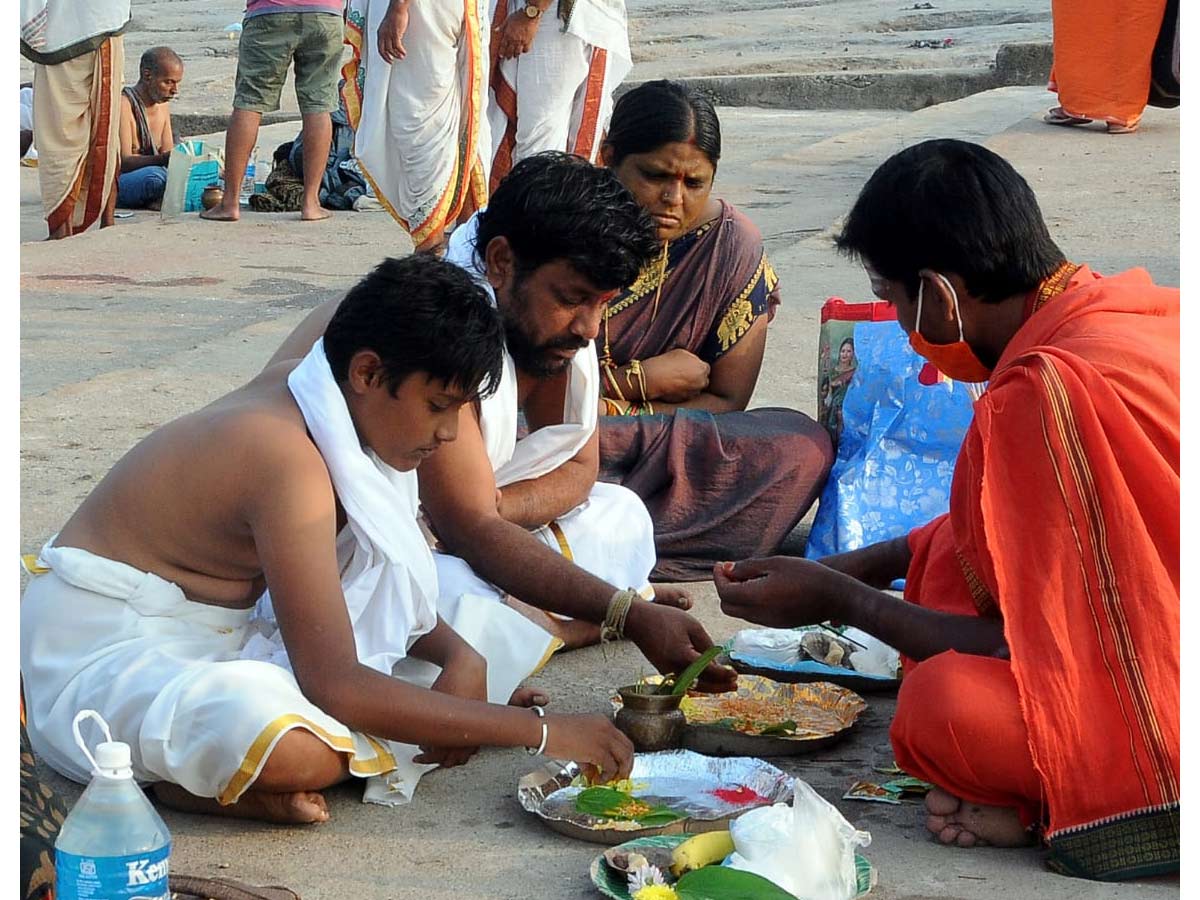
671 639
777 591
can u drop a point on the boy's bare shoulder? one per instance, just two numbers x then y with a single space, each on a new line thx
262 431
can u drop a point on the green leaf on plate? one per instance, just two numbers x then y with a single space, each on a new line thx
723 883
784 728
607 803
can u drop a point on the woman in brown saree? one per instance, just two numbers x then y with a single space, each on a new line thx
680 352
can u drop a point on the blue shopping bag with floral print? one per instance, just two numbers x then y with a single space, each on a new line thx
896 422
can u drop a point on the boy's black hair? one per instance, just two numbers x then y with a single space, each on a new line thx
420 314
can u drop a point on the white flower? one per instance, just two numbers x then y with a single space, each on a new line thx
644 876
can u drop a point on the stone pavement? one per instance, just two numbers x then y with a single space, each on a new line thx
126 328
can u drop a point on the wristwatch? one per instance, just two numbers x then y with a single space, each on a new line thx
531 11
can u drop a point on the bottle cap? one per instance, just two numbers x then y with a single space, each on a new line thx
113 759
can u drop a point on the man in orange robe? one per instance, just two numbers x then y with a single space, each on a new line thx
1041 628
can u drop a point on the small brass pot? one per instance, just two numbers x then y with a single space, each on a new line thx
651 721
211 196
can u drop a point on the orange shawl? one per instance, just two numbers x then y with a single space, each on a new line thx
1064 521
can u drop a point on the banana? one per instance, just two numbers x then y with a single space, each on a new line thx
701 850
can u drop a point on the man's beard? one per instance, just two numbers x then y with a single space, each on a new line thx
537 360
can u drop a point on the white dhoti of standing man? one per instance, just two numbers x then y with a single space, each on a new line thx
558 96
421 133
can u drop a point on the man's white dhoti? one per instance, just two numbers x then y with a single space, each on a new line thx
558 96
421 135
165 673
610 534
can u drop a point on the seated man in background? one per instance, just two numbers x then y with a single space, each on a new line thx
146 136
1041 693
300 482
526 518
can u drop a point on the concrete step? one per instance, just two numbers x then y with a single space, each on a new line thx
796 172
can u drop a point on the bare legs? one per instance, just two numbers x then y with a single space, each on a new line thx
109 217
286 790
318 134
239 142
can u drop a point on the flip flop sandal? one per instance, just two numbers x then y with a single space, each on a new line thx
194 887
1058 116
1114 128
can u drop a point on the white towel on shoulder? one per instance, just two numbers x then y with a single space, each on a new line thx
388 576
547 448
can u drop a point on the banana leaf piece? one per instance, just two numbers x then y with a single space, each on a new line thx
608 803
785 728
723 883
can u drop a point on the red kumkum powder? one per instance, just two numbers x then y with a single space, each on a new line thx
739 795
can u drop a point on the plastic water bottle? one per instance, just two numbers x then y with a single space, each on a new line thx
249 178
113 845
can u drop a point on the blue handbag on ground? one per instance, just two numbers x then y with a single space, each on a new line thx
897 424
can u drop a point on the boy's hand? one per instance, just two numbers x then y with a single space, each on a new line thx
594 742
464 675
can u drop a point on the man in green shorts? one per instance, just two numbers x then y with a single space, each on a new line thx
276 33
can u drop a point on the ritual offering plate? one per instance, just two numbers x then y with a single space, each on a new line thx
673 792
766 718
851 658
613 882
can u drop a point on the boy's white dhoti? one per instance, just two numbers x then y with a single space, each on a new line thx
166 674
558 96
387 571
610 534
421 135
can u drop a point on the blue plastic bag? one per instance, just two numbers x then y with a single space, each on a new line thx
897 438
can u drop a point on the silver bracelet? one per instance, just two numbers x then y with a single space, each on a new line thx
541 748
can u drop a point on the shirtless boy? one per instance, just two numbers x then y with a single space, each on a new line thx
145 607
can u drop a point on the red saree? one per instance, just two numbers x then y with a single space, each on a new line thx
1064 522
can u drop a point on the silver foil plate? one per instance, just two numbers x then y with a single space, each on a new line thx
679 779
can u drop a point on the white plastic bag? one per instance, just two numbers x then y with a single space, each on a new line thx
779 645
808 849
190 170
877 659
